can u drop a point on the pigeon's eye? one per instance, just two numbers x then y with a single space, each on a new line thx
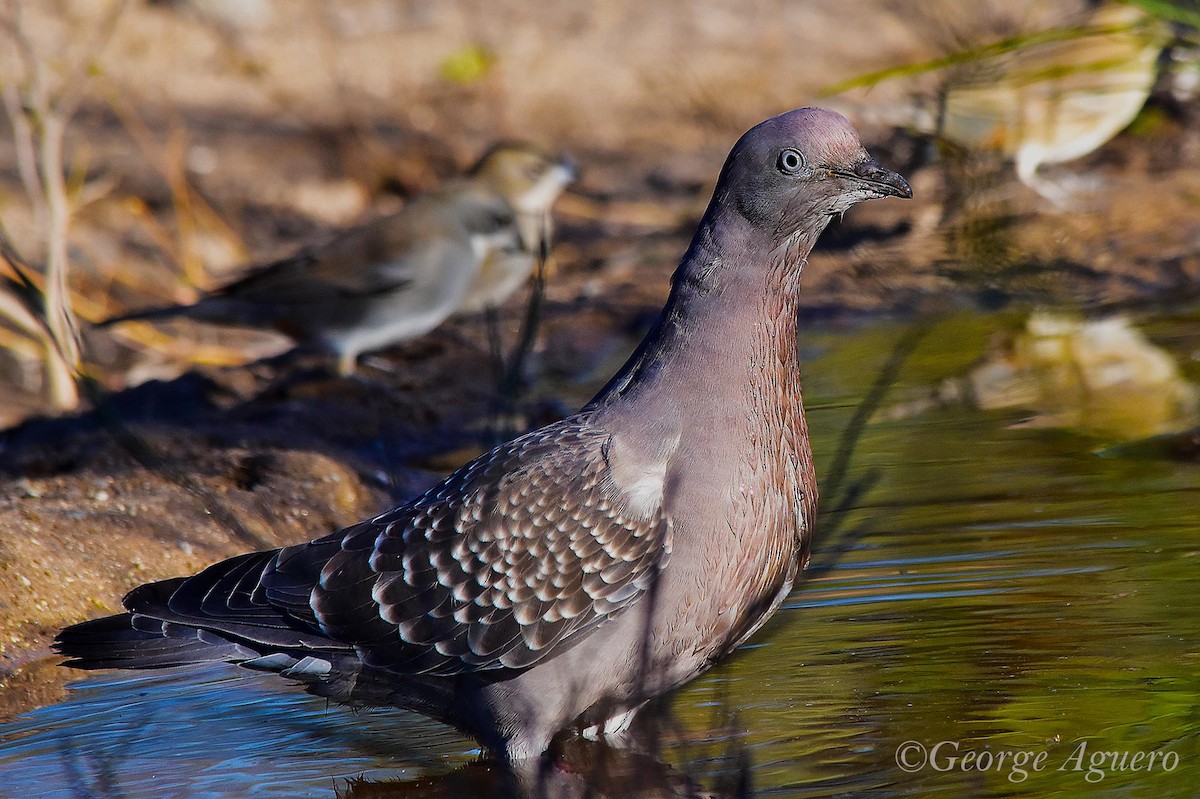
790 161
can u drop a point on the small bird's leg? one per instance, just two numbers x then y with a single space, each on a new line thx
347 363
491 318
533 315
509 385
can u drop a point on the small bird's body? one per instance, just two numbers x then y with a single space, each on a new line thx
1058 101
567 577
400 276
530 183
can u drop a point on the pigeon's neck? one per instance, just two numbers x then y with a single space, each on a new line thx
730 322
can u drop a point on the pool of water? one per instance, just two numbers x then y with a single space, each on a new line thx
1009 593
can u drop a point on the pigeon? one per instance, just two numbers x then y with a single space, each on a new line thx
464 246
569 576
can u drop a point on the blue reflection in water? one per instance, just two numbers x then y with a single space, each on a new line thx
207 732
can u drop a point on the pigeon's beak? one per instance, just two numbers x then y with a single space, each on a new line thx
882 180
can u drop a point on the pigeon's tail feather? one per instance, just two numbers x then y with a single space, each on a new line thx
137 641
221 614
129 641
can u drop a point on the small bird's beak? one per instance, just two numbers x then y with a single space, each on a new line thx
885 181
570 170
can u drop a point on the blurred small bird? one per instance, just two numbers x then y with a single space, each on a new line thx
1057 100
531 183
463 246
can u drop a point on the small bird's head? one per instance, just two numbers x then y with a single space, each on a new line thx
529 179
796 170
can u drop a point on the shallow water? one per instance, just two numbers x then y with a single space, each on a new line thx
997 587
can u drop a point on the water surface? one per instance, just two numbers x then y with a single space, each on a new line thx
996 586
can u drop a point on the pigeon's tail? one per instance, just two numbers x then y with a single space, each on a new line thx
222 614
134 641
119 642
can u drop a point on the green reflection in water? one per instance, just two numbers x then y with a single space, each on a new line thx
1002 587
998 587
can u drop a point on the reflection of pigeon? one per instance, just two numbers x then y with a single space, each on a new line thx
569 576
469 241
1058 100
582 770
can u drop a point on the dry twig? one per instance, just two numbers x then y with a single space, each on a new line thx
41 92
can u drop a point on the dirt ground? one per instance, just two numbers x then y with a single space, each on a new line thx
214 135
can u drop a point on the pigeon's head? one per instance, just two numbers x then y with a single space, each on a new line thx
798 169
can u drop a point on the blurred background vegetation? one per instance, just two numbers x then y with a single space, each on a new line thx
153 148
